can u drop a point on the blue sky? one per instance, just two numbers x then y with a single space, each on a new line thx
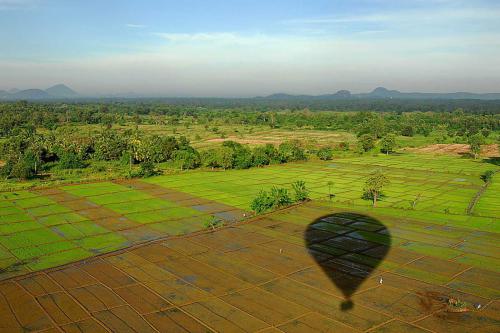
245 48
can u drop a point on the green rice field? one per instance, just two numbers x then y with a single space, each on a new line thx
489 203
444 184
49 227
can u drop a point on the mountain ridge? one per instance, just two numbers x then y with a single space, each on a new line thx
61 91
384 93
58 91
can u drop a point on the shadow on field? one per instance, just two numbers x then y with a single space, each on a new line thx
348 247
493 160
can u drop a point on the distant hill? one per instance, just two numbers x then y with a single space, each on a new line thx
61 91
384 93
29 94
338 95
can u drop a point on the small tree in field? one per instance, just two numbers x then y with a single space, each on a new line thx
366 142
330 194
373 186
487 176
388 143
475 142
147 169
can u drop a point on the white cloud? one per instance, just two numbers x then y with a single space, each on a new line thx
232 64
135 26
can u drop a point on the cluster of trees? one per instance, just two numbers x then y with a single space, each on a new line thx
27 153
387 143
279 197
233 155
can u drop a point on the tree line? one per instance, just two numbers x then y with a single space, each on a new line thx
28 153
456 122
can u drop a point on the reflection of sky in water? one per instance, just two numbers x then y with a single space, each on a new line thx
332 165
459 179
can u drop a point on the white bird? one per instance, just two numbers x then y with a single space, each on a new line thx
381 280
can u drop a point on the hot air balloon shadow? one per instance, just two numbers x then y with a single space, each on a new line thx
348 247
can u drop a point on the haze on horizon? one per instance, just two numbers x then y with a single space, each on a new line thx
249 48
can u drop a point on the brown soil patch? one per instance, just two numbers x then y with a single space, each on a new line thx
457 149
251 277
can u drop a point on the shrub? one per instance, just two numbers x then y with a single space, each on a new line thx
243 158
19 167
126 158
325 153
22 170
301 192
264 155
224 157
291 152
276 198
262 202
485 132
147 169
487 176
213 223
186 159
209 158
71 160
344 146
408 130
280 197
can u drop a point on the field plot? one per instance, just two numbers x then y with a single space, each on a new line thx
56 226
277 136
489 203
438 184
458 149
289 271
46 228
252 135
